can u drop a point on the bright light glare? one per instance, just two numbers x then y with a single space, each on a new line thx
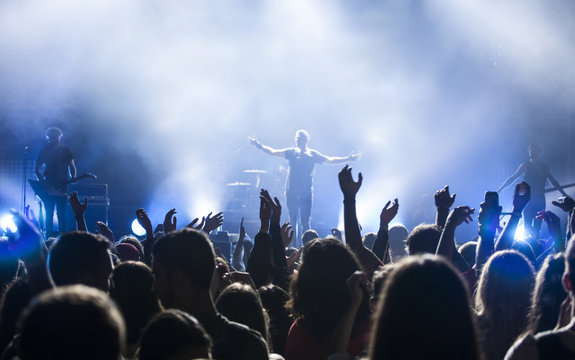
7 223
521 234
137 229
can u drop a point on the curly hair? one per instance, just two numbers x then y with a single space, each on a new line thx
318 293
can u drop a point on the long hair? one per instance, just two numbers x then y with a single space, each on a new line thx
242 304
503 299
548 295
424 313
318 293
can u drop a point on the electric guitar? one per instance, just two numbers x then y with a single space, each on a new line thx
44 190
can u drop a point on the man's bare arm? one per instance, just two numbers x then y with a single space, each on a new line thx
337 159
555 183
267 149
73 171
520 170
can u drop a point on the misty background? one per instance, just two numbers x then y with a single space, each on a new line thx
158 97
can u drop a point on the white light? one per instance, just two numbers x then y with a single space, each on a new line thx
7 223
137 229
521 234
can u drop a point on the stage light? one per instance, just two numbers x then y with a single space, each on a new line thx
137 229
7 223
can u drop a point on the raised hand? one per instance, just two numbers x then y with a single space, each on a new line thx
170 221
77 207
565 203
265 214
30 216
348 186
274 205
213 222
28 243
144 220
553 222
388 213
287 234
459 215
446 245
443 198
199 227
521 196
106 231
242 235
353 156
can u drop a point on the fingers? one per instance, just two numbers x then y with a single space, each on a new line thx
387 205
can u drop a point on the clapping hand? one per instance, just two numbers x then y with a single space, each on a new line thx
170 221
77 207
213 222
287 234
144 220
388 213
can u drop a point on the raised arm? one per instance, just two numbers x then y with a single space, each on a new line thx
520 199
381 244
29 246
280 274
512 178
554 225
338 159
238 251
349 188
267 149
443 202
145 222
488 219
260 260
79 209
446 245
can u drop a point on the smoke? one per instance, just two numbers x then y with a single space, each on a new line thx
424 90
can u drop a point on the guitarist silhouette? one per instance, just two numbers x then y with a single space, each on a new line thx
57 162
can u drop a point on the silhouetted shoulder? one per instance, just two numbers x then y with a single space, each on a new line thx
235 341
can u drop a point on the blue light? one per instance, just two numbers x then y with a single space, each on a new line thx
137 229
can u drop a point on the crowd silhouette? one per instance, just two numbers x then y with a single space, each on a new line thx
391 294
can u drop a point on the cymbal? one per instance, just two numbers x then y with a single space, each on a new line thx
238 183
255 171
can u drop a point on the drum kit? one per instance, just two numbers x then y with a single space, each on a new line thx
244 194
